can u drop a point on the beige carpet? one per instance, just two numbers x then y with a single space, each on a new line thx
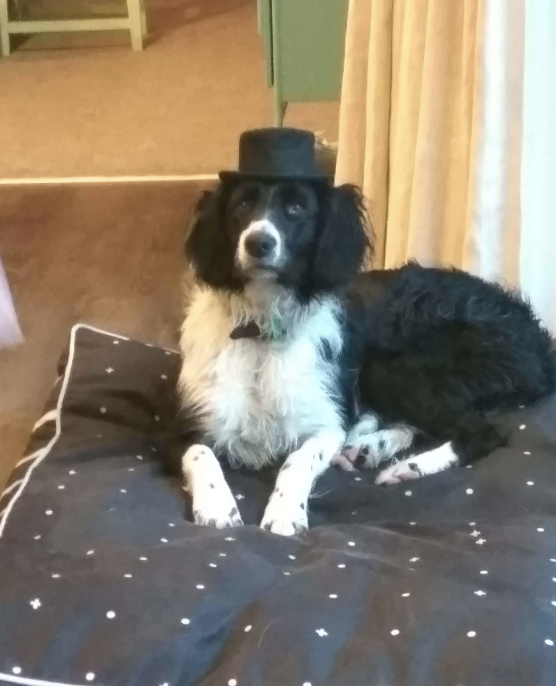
176 108
107 254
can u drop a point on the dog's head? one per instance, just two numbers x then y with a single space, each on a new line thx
310 237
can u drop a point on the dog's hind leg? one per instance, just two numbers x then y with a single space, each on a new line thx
367 445
429 462
470 441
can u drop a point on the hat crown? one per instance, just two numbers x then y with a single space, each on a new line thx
281 153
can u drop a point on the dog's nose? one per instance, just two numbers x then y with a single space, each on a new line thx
260 244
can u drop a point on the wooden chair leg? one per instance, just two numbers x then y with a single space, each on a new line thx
144 26
4 34
135 24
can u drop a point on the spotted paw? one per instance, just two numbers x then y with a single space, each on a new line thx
216 510
345 459
406 470
284 520
355 457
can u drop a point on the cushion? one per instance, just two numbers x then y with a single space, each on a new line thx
448 581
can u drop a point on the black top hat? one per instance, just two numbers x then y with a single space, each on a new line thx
277 153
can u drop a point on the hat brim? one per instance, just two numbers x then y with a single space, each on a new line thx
239 176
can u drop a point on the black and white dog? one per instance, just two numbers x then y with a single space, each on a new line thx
292 356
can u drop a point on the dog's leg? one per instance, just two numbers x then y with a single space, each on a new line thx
213 502
367 446
430 462
286 512
472 439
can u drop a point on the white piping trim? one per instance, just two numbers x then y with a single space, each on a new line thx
29 457
43 452
107 179
10 488
26 681
48 417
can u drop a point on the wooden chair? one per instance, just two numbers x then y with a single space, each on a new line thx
135 22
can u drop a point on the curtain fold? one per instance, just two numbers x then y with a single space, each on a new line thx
441 125
365 107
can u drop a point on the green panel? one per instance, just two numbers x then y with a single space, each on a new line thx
264 16
308 48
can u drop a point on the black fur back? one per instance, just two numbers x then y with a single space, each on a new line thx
443 350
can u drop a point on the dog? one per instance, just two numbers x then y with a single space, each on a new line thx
292 356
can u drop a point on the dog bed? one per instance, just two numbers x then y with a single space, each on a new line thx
447 581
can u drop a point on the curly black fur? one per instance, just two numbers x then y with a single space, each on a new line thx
444 349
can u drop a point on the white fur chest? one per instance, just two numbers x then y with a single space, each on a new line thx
259 400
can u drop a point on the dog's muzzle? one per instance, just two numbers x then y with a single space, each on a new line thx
260 246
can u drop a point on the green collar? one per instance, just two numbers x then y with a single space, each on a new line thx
275 334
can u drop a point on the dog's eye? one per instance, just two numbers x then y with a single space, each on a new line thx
245 204
294 209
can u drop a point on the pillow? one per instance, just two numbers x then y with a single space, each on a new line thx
447 581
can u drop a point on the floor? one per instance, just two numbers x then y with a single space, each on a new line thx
108 254
86 105
178 107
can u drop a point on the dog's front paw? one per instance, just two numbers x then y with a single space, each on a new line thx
216 509
285 519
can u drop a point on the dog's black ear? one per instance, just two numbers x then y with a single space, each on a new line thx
345 239
207 246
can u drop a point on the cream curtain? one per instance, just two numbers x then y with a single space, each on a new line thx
447 121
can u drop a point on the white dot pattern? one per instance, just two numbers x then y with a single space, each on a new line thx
322 632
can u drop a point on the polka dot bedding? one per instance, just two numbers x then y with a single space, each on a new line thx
104 581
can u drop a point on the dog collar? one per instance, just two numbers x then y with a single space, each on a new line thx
251 329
